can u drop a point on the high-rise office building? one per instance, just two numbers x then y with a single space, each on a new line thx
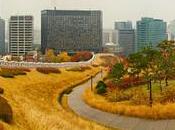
123 25
20 35
71 30
150 32
171 30
125 37
2 36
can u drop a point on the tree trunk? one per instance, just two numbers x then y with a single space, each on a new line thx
148 84
160 84
150 93
166 80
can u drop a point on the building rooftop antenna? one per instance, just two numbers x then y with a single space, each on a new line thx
53 4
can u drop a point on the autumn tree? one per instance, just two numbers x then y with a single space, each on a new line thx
64 57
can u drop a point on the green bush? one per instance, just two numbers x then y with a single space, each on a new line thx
101 87
5 111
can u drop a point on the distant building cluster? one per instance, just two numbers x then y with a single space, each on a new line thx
80 30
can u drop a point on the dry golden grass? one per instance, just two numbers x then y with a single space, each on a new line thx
33 98
158 111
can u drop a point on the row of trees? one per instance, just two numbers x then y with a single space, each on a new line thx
151 64
64 57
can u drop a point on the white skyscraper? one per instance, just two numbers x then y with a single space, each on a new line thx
20 35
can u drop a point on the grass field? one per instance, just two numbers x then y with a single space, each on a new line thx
33 98
157 111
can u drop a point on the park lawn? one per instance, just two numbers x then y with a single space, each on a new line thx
33 99
155 86
126 108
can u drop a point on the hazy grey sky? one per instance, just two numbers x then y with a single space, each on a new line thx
113 10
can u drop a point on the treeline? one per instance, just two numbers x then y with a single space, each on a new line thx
149 64
65 57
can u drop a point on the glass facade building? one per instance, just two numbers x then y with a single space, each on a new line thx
123 25
71 30
150 32
2 36
125 37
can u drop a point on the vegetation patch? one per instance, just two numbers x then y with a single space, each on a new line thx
101 87
12 72
5 110
1 90
78 68
141 85
48 70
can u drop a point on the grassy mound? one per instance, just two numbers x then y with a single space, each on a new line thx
5 110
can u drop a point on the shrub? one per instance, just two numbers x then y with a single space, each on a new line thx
48 70
101 87
78 68
75 69
11 72
5 111
6 74
95 65
24 69
81 56
1 90
85 68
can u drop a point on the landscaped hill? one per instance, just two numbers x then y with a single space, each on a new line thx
33 98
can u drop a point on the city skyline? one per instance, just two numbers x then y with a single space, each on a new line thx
114 11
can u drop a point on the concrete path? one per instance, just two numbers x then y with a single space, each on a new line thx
77 104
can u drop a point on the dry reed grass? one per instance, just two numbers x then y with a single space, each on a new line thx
158 111
33 99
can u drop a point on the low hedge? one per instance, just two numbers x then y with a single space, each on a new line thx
79 68
12 72
48 70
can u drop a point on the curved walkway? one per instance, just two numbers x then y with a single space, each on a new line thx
77 104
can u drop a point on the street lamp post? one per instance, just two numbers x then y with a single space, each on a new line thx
101 73
91 83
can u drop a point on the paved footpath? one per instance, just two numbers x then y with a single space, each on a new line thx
77 104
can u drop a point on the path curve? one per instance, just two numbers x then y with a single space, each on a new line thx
77 104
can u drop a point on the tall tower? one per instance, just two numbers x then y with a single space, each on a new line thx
2 36
20 35
150 32
125 37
